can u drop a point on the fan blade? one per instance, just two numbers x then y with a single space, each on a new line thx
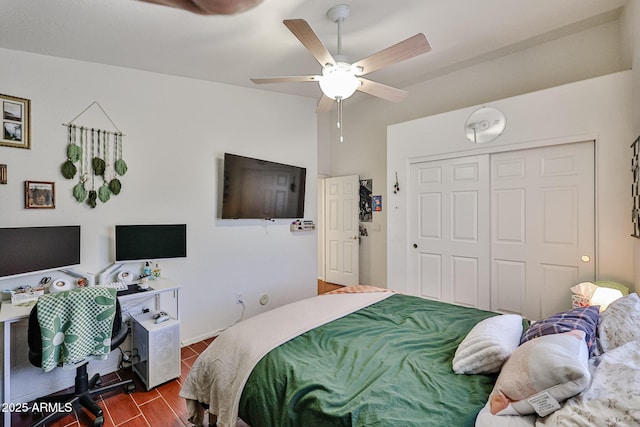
301 29
288 79
324 104
413 46
382 91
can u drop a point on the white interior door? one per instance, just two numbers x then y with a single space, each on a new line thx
543 227
448 231
342 242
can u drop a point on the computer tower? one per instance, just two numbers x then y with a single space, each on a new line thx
155 350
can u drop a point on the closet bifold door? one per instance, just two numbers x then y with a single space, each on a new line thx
542 227
509 232
448 209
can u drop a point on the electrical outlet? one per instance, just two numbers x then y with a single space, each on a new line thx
239 299
264 299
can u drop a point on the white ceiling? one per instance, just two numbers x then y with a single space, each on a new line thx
231 49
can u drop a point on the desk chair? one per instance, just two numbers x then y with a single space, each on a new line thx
85 388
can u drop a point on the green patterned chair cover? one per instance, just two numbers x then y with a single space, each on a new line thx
76 326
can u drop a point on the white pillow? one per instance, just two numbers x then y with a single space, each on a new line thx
620 323
542 373
488 345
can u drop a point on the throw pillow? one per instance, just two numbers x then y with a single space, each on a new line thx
540 374
582 318
485 348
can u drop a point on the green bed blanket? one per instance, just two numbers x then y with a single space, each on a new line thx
388 364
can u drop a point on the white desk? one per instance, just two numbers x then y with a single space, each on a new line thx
10 314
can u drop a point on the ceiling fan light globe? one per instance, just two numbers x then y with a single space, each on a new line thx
338 81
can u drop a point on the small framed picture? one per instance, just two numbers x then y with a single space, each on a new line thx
39 195
16 126
377 203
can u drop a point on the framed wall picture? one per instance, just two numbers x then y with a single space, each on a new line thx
39 195
16 122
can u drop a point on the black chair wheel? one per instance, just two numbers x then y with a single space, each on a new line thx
98 422
130 388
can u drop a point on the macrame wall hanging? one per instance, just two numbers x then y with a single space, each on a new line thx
94 155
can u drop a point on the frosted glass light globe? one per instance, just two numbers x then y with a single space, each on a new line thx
338 81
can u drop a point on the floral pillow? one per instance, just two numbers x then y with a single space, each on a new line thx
620 323
582 318
613 396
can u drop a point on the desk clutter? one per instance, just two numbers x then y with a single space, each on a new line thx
26 296
125 281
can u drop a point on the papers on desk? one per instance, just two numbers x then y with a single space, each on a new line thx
26 297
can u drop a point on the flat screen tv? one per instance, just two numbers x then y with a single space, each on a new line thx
260 189
150 242
31 249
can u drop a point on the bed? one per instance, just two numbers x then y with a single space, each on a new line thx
346 359
381 359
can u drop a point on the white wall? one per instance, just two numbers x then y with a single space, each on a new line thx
589 53
598 108
176 132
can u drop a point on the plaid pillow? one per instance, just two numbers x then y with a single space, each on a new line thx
581 318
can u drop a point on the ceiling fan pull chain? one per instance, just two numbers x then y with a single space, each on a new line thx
339 124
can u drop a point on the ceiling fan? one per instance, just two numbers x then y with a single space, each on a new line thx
340 79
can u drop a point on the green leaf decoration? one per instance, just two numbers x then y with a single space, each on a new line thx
68 169
104 193
91 200
74 152
99 166
120 166
79 192
115 186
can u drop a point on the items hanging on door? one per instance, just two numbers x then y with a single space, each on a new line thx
366 189
635 188
94 156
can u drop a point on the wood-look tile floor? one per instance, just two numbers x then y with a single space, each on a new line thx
159 407
324 287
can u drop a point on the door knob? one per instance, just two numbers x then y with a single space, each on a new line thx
415 245
585 258
355 237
